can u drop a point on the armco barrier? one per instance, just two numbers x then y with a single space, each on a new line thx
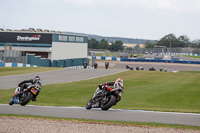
16 65
144 60
79 67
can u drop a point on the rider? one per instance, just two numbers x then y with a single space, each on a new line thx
118 85
24 84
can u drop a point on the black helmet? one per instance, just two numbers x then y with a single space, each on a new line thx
36 78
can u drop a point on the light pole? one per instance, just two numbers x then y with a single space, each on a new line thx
170 43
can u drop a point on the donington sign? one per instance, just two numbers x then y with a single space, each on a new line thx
26 38
11 37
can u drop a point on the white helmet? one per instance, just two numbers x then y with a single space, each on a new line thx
119 84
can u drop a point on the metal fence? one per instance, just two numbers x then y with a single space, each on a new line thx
164 50
146 51
14 56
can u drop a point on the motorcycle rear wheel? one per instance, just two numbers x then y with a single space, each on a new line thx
110 103
26 99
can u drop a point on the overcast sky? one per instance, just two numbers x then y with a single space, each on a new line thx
144 19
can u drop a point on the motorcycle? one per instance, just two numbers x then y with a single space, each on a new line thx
25 96
106 65
104 99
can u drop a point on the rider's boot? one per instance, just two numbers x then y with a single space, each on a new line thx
35 96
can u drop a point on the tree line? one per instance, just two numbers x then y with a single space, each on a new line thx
171 41
103 44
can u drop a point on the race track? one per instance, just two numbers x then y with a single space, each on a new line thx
57 76
69 75
97 114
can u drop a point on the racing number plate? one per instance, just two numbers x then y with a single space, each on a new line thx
33 91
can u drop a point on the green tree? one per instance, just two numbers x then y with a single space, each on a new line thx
195 43
149 45
103 44
116 46
169 40
183 41
93 43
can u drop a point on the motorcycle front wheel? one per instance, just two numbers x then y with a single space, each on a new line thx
89 105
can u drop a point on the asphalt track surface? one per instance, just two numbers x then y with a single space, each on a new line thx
97 114
69 75
57 76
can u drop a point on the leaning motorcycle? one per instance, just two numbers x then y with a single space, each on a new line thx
104 99
25 96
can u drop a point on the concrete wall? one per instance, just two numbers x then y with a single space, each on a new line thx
36 60
69 62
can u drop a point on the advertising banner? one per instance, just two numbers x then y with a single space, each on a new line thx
18 37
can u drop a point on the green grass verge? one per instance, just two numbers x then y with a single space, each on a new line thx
144 90
5 71
191 56
106 54
122 123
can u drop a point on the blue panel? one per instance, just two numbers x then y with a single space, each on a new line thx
2 64
114 58
27 44
158 58
24 65
103 58
14 64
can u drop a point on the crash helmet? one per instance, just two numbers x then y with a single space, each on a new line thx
119 84
36 79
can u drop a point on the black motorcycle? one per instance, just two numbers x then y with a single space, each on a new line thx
106 65
104 99
25 96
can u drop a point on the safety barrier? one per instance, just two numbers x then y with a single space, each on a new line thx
144 59
79 67
16 65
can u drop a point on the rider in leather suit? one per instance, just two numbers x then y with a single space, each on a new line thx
24 84
118 85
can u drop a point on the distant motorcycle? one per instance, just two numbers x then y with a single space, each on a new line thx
106 65
25 96
103 99
152 69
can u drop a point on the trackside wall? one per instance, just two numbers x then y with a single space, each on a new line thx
36 60
144 60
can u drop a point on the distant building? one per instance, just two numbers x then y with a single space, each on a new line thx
133 45
47 44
